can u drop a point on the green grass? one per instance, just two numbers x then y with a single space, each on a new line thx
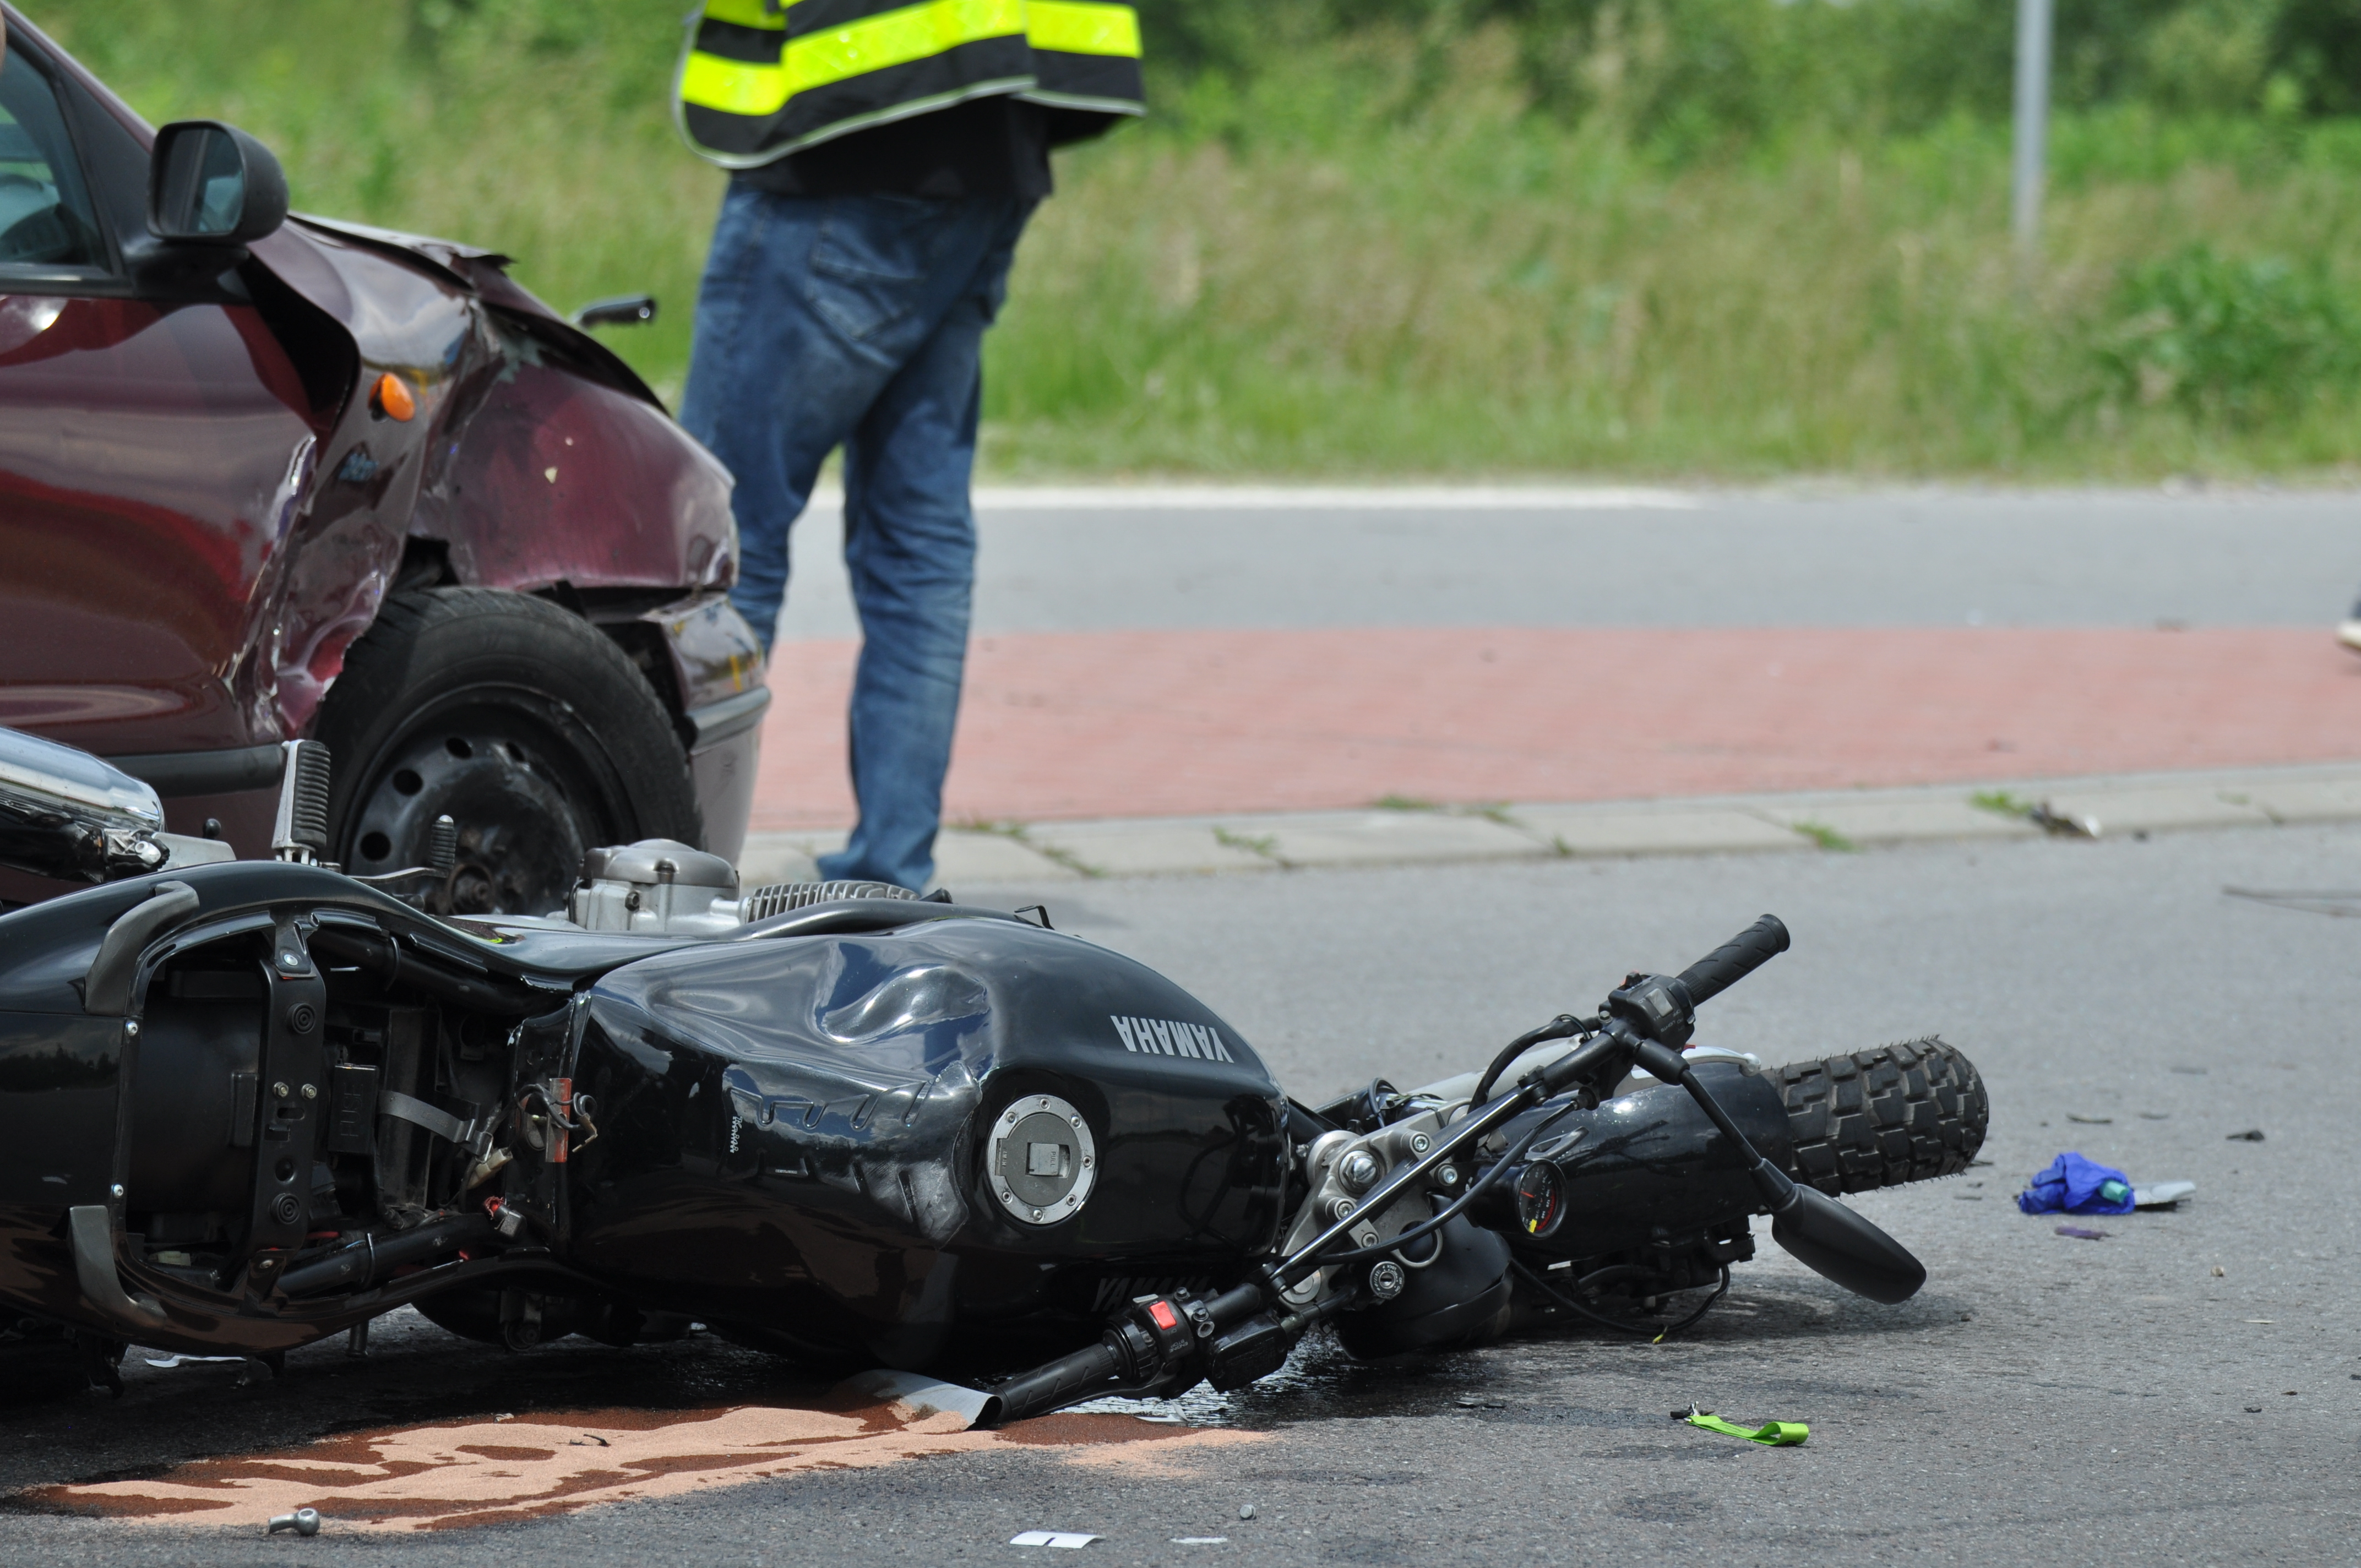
2000 801
1826 837
1262 844
1385 260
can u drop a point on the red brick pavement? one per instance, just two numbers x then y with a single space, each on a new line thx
1170 723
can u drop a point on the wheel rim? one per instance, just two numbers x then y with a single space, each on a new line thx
529 787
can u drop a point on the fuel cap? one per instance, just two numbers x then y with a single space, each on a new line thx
1043 1162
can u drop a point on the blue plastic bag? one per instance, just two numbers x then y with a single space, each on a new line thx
2074 1185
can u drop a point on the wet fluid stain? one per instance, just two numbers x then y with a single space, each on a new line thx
452 1474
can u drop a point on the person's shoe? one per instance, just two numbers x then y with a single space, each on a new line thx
2348 630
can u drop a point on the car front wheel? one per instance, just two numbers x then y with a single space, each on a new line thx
525 724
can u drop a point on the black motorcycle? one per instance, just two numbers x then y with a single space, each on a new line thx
248 1104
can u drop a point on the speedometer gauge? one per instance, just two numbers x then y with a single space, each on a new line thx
1540 1199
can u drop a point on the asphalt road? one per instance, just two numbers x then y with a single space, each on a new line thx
1113 560
2187 1389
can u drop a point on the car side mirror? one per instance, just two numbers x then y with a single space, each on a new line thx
209 184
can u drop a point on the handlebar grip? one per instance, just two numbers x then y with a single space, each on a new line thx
1735 959
1059 1382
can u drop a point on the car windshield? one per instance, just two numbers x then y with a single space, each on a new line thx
45 212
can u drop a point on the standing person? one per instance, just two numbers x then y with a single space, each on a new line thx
887 156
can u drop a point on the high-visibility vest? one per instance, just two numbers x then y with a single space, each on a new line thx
761 79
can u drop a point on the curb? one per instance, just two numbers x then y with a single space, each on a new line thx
1415 832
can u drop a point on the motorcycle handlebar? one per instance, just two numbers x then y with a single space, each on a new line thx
1735 959
1059 1382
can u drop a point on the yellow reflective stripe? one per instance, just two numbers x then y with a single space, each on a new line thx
732 86
748 14
1078 27
820 60
897 37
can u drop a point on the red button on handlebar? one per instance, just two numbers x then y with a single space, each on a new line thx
1161 1314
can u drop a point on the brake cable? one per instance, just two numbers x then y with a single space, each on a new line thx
1664 1330
1563 1027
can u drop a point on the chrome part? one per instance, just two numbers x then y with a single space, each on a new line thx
1387 1279
64 813
180 851
302 1521
1339 1168
655 885
1042 1162
660 885
300 833
1322 1153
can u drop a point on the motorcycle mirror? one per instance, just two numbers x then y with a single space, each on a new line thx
1831 1240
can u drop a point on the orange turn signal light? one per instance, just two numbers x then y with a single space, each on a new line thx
392 398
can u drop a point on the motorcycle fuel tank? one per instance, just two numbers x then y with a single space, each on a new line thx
857 1140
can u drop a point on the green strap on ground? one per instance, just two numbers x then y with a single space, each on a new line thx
1774 1434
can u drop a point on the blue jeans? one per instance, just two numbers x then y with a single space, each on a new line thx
859 320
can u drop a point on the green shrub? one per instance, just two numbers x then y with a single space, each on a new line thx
2225 339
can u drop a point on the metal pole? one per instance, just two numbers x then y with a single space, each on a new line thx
2032 146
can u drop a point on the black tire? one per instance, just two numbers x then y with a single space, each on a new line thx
528 725
1883 1117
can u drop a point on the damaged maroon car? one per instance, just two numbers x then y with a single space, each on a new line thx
265 477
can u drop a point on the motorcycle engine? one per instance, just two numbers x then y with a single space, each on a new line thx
663 887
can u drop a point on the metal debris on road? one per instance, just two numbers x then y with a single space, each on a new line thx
2078 1233
1245 1510
1201 1540
1071 1540
2161 1194
302 1521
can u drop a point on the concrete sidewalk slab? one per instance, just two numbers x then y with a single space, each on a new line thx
1062 851
2154 809
1669 827
1368 838
965 855
1146 849
1903 821
2303 800
783 857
